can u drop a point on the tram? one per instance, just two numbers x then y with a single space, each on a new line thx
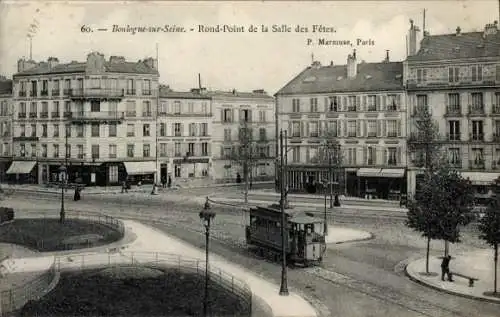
304 236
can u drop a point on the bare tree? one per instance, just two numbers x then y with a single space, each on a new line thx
246 154
330 157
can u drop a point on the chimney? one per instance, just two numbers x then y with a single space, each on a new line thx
386 56
234 91
316 64
331 63
53 61
116 59
458 31
151 62
23 65
413 41
352 65
491 28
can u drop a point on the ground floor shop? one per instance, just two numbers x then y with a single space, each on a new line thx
225 171
370 183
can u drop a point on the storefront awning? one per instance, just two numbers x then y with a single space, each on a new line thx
369 172
140 168
21 167
478 178
392 172
381 172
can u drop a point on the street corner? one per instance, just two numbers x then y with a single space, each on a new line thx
476 264
338 235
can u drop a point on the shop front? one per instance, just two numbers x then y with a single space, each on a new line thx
140 172
22 172
381 183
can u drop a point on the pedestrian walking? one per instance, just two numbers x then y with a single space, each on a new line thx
124 187
169 181
445 268
163 182
77 194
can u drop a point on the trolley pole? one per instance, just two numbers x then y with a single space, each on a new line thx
284 286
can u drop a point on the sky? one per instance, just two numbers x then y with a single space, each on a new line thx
239 60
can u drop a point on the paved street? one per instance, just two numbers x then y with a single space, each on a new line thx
357 279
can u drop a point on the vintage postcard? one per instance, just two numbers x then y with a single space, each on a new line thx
249 158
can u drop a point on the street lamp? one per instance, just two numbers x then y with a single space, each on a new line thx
62 171
206 215
284 284
325 225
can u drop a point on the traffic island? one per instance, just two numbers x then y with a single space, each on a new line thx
49 235
134 291
477 264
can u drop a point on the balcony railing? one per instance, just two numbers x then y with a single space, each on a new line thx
476 110
33 94
495 109
455 164
453 111
445 82
66 91
44 93
96 116
476 164
22 93
21 115
453 137
67 114
33 115
56 92
147 114
476 136
130 91
131 113
97 93
496 137
418 111
44 114
54 114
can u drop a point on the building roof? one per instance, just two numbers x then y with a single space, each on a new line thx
332 79
6 87
453 46
239 94
78 67
166 92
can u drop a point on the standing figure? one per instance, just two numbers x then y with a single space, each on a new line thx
445 268
169 181
124 187
163 182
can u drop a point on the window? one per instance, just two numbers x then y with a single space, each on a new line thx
130 130
498 72
56 150
146 87
262 134
372 128
22 150
227 134
34 88
421 75
334 103
44 150
204 129
33 130
163 129
477 73
454 157
351 128
177 129
22 109
112 129
296 154
372 103
67 108
190 149
454 130
95 130
392 128
95 106
146 108
68 150
421 103
351 106
371 156
332 128
163 149
79 131
314 104
44 130
453 74
177 107
163 108
79 149
227 115
295 105
145 130
146 149
477 157
392 156
192 129
22 89
45 109
95 151
56 130
204 107
94 82
263 151
454 103
296 129
55 113
262 115
130 87
33 149
313 129
33 109
190 107
177 170
177 149
67 130
22 129
392 102
245 115
477 101
477 130
131 109
313 154
130 150
351 156
204 149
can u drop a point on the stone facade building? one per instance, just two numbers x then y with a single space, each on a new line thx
5 126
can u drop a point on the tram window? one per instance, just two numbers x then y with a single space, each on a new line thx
253 221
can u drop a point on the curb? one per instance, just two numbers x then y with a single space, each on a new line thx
416 280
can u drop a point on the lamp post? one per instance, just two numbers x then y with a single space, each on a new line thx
284 286
325 225
206 215
62 170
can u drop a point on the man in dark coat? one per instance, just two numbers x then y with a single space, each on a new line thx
445 268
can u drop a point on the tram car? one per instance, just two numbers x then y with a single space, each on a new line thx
304 236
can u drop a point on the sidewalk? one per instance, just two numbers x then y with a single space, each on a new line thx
478 264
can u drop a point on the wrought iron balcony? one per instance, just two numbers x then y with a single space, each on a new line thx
33 115
54 114
476 137
44 114
44 93
445 82
418 111
96 93
453 111
495 109
91 116
33 94
453 136
21 115
476 164
476 110
455 164
496 137
56 92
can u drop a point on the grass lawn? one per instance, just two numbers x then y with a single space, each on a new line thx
47 234
132 291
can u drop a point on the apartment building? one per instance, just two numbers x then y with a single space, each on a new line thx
457 77
233 113
5 125
363 106
96 117
184 134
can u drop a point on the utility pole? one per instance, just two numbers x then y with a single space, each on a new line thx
156 121
285 169
284 286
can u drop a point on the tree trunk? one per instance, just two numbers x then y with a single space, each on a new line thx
331 189
427 255
246 184
495 269
446 248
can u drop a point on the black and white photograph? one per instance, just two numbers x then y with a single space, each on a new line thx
249 158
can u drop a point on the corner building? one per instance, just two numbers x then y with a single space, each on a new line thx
363 105
97 117
457 77
5 126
